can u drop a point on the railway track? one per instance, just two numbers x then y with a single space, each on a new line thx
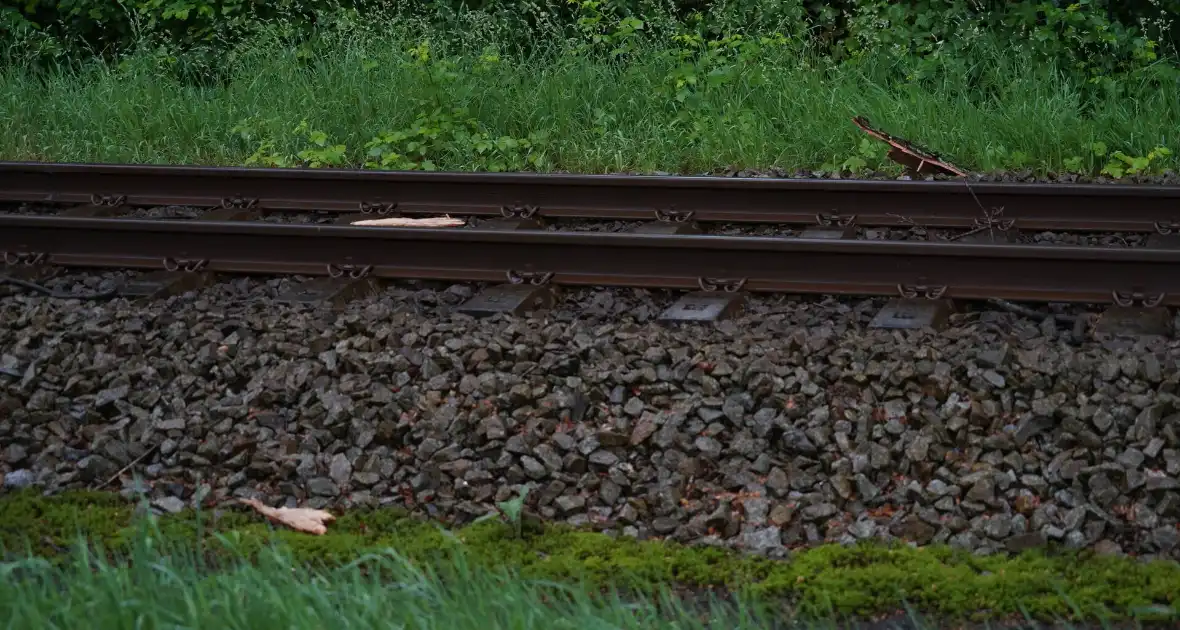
1096 207
666 251
991 437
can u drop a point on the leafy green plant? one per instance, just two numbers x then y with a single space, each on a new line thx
1086 164
1117 164
1083 33
511 512
265 152
190 33
702 69
437 71
1121 164
437 139
702 65
870 156
1095 38
320 153
870 153
602 28
488 60
454 137
999 155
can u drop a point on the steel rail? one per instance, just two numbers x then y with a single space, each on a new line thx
751 200
1050 273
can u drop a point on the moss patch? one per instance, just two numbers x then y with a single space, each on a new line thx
860 580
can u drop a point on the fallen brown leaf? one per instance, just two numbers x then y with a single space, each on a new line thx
405 222
299 519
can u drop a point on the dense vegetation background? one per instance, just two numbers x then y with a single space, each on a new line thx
1095 35
522 84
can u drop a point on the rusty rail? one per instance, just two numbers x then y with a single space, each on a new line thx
935 204
759 264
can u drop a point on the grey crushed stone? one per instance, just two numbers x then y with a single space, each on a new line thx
171 505
791 426
19 479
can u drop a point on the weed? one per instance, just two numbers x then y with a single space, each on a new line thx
1118 164
511 511
1122 164
870 156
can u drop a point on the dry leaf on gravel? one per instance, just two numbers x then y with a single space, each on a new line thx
404 222
300 519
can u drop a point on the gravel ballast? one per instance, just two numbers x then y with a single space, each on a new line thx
793 425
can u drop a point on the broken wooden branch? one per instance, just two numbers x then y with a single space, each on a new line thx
299 519
426 222
918 160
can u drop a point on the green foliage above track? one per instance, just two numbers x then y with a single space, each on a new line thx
1098 37
1087 88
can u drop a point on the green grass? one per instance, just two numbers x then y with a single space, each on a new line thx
488 565
777 108
171 587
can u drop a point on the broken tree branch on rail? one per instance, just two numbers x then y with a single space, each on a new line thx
426 222
918 160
